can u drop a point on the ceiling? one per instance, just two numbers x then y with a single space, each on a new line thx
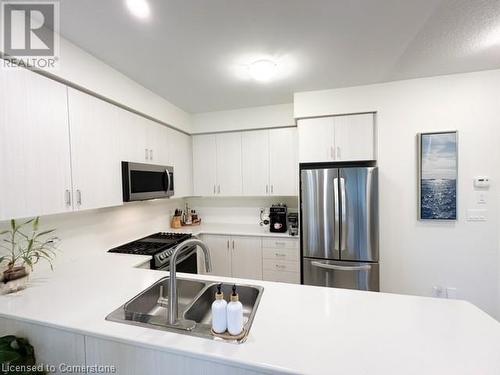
192 52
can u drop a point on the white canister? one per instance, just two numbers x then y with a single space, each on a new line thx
219 312
234 314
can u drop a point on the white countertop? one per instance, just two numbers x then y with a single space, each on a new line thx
231 230
297 329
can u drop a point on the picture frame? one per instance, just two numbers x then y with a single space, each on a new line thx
438 175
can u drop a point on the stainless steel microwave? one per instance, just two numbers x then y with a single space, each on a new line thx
146 181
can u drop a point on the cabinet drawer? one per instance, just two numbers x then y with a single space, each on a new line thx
280 243
281 265
280 276
281 254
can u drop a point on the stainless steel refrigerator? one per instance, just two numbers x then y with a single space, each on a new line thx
339 227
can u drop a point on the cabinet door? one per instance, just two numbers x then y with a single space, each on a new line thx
229 179
354 137
181 158
157 142
316 140
204 165
283 166
246 259
95 151
255 162
35 171
220 255
133 138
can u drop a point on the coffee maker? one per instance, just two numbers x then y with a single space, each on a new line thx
278 218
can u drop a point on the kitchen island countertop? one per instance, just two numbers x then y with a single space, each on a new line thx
297 329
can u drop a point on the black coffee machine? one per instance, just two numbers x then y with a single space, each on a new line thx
277 218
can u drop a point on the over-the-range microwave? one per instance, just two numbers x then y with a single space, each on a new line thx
146 181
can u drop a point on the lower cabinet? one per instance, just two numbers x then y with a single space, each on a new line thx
252 257
234 256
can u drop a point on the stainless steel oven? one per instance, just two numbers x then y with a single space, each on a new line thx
187 262
146 181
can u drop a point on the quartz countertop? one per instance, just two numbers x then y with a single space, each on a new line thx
297 329
231 230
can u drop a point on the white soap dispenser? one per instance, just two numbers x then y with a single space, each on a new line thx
219 312
234 314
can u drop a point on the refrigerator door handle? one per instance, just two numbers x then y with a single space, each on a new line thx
343 228
337 214
364 267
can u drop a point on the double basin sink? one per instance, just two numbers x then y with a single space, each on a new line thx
195 297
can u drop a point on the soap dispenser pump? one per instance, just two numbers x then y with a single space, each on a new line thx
219 312
234 314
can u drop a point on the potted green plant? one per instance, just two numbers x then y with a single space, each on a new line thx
24 245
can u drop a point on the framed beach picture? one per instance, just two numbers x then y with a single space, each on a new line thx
438 171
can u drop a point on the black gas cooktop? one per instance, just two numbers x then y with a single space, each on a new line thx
152 245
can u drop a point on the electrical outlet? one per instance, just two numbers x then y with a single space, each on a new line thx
438 291
451 293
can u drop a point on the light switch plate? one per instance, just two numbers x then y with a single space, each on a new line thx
481 197
477 214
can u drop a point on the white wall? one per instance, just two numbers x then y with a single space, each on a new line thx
237 210
243 119
100 230
83 69
417 255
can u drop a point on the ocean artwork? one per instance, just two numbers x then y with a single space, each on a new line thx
438 176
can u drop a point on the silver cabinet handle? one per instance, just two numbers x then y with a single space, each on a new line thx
67 197
146 154
267 189
214 190
339 156
280 266
332 153
228 244
218 189
280 255
79 197
364 267
272 188
233 244
150 154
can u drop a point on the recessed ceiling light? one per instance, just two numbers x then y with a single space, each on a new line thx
263 70
139 8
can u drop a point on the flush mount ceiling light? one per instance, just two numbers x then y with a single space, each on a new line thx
263 70
139 8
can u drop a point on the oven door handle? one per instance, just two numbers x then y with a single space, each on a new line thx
185 256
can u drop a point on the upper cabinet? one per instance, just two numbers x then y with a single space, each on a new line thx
204 165
251 163
35 171
180 156
337 138
95 151
283 166
217 164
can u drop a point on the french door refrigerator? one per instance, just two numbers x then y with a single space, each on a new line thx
339 227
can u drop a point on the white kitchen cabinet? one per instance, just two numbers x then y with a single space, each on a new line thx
255 162
181 158
205 165
35 169
95 151
354 137
316 140
234 256
229 180
283 165
337 138
246 257
281 260
220 254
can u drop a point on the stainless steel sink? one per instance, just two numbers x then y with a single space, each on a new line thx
195 297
